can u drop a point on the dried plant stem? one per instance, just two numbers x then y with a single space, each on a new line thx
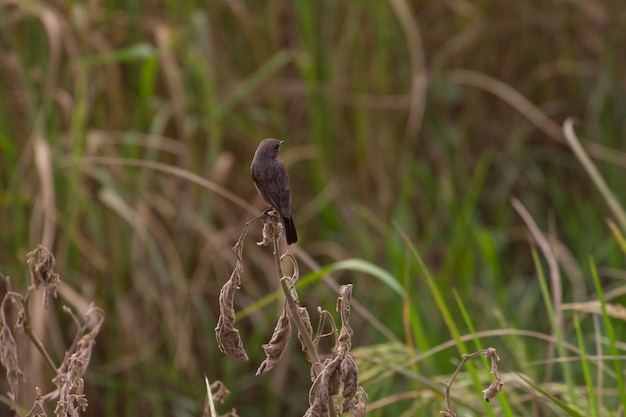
279 267
238 248
292 309
292 304
28 329
488 393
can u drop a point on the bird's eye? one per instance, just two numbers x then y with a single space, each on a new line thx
277 146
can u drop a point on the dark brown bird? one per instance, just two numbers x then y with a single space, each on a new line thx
272 182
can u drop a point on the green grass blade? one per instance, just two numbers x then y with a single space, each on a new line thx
594 173
610 330
617 234
585 365
356 265
273 64
545 291
435 292
571 411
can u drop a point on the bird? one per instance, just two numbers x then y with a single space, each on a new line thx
272 182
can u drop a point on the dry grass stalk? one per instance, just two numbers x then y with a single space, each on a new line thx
490 392
616 311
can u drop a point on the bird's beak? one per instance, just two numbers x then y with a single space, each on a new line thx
281 142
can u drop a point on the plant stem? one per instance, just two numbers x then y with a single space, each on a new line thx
294 315
33 337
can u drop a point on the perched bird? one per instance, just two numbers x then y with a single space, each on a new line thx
272 182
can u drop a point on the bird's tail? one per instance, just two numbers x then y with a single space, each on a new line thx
290 230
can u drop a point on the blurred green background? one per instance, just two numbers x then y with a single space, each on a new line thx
414 118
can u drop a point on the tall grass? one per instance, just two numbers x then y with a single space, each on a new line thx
126 133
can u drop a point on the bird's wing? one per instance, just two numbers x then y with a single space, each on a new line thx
283 197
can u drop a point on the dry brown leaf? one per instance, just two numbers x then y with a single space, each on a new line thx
8 357
350 379
228 339
319 394
277 345
306 319
41 267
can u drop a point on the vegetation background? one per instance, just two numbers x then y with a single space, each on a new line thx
410 125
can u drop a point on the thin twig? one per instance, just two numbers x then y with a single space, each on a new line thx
238 248
488 393
24 300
